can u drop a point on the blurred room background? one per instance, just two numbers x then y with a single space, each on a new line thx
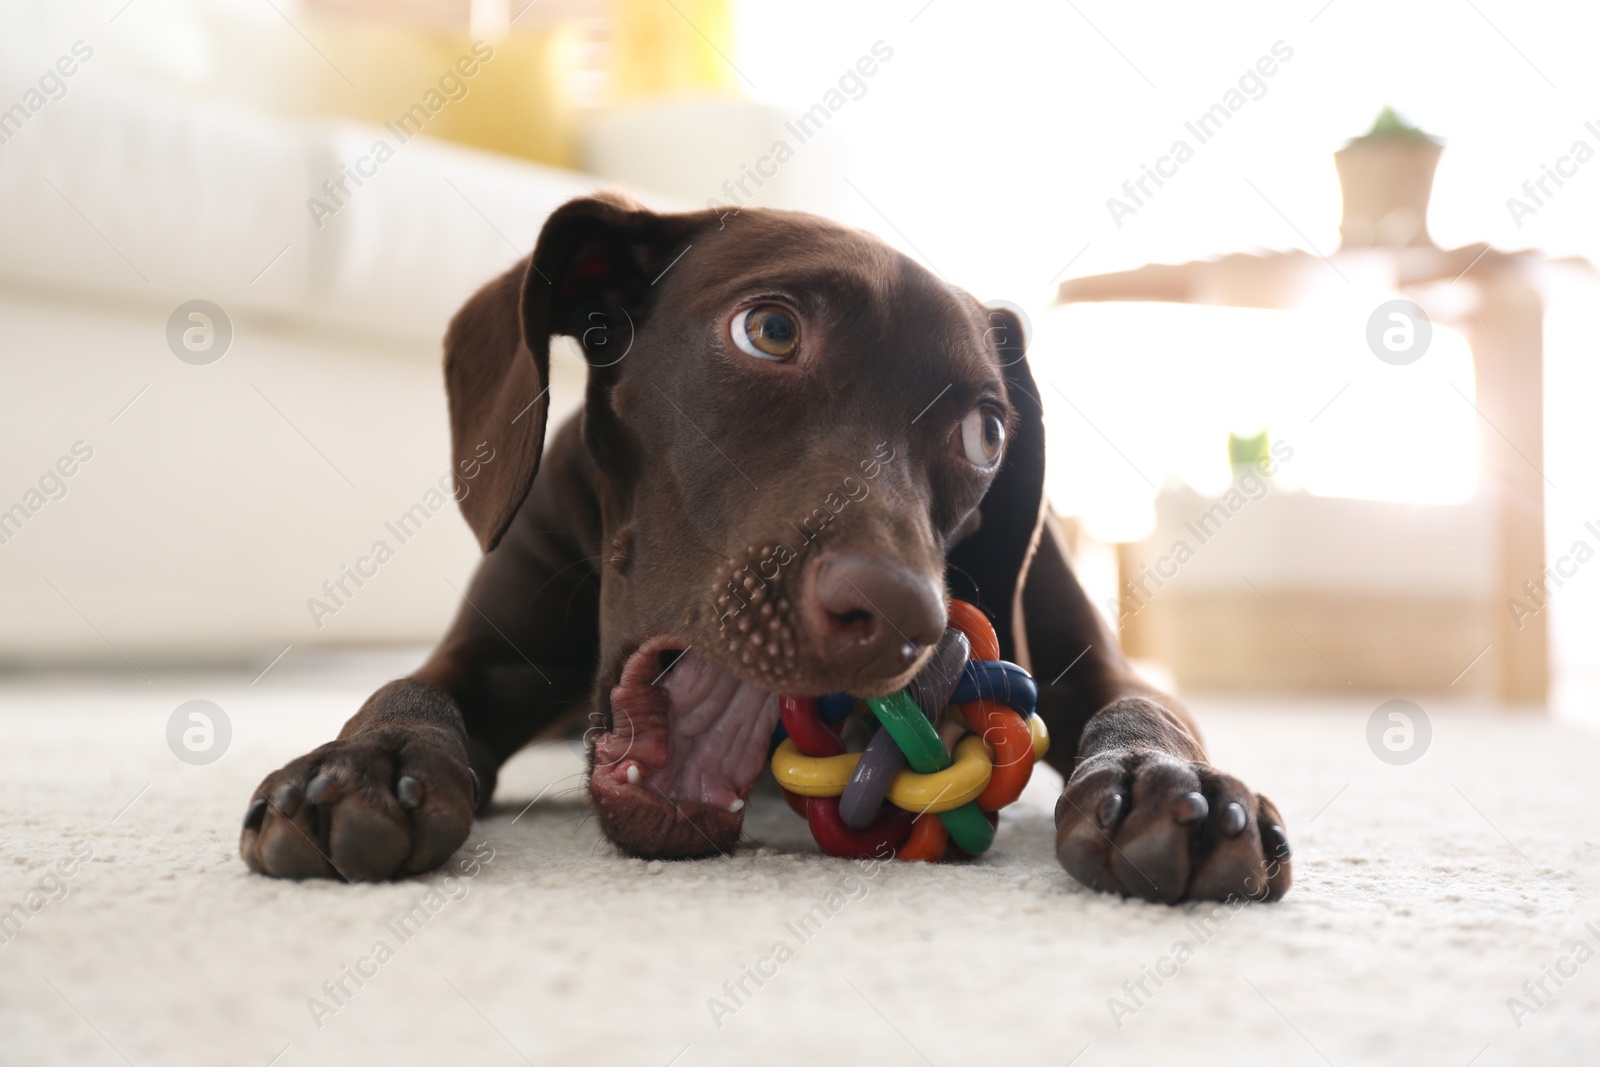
334 177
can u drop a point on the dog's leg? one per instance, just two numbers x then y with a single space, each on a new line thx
1143 813
395 793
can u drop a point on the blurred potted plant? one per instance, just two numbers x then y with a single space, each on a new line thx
1386 175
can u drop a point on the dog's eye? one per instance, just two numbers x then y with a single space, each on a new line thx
983 437
766 331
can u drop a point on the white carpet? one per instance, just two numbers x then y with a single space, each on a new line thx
1425 896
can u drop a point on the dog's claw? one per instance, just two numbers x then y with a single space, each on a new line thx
1275 842
287 800
1191 808
255 813
1111 809
1234 818
409 792
477 787
323 789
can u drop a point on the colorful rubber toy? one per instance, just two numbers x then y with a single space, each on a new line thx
951 749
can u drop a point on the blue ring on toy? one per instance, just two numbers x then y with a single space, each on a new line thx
833 707
998 680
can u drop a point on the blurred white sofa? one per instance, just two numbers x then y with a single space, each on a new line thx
217 499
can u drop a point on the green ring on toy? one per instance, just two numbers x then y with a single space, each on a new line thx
911 730
969 828
925 753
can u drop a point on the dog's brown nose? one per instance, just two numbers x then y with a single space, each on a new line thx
869 614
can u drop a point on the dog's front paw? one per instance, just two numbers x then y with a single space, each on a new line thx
384 804
1146 824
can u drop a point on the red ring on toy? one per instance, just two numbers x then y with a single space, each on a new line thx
928 840
811 735
836 839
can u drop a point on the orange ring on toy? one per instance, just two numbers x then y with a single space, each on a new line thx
1008 737
975 628
928 840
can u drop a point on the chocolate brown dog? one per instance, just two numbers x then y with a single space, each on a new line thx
794 443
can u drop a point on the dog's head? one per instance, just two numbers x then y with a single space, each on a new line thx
802 442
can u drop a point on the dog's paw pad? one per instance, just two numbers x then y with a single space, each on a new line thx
377 806
1153 826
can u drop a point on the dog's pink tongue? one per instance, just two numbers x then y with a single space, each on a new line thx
718 732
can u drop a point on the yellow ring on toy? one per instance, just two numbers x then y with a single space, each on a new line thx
812 776
946 790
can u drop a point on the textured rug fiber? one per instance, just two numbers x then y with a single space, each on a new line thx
1444 912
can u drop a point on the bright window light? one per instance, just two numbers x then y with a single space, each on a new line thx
1139 393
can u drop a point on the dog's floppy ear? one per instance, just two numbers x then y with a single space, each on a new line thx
588 277
989 567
